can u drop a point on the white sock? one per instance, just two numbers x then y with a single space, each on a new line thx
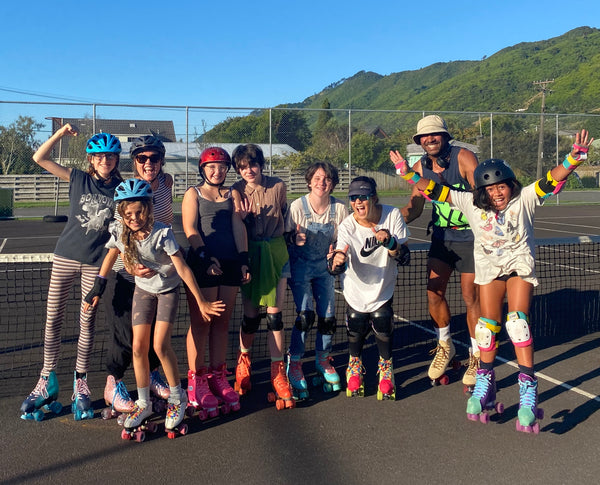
443 333
474 346
144 395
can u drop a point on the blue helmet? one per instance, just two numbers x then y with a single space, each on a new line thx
103 143
133 189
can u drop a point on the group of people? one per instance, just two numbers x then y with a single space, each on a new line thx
118 240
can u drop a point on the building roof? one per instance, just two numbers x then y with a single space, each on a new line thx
124 130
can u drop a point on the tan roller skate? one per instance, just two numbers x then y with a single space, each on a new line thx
470 375
443 358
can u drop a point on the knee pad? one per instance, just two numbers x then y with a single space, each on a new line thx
326 325
250 324
517 327
382 320
485 334
274 321
305 320
358 322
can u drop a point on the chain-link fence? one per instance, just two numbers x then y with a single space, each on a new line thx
291 138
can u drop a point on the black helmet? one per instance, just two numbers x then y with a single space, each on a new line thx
492 171
146 142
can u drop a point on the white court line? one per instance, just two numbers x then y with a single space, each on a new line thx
540 375
3 244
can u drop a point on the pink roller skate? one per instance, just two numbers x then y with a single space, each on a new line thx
117 399
219 386
199 396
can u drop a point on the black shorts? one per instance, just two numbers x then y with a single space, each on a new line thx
232 275
456 254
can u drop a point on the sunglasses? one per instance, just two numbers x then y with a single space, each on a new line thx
362 198
141 159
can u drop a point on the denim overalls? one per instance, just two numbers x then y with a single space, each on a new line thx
310 278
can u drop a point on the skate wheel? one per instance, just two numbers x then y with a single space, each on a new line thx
38 415
484 418
271 397
189 411
539 413
327 387
213 413
183 429
55 407
348 393
536 428
467 390
121 419
139 436
236 406
202 415
108 413
279 404
444 380
225 409
290 403
151 427
171 435
125 435
499 407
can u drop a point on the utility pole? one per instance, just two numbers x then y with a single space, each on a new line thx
542 84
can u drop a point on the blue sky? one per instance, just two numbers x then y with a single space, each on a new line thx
249 54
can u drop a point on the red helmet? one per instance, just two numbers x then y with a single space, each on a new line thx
214 154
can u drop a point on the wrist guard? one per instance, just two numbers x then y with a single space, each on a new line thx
97 290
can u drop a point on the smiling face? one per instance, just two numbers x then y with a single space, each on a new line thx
433 143
134 214
148 164
364 208
250 172
104 163
215 172
499 195
320 184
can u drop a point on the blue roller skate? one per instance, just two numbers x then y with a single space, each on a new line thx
327 374
81 407
42 398
296 378
483 399
528 410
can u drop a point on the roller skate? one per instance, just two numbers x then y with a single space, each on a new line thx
282 395
229 400
243 371
42 398
81 407
483 399
327 374
354 379
442 360
160 392
528 410
175 414
386 388
117 399
470 375
137 422
199 396
296 378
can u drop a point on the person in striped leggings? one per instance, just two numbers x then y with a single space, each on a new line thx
78 253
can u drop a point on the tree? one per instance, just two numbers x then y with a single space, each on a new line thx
17 146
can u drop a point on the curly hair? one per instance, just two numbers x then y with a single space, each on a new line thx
130 255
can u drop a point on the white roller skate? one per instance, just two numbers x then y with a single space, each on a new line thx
175 413
528 410
42 398
483 399
296 378
387 387
328 376
81 407
443 358
229 400
137 422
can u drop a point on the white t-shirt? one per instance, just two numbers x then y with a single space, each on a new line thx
155 253
504 241
370 279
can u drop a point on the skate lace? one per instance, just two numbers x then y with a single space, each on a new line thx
473 365
355 367
81 389
482 385
325 363
219 379
296 370
385 369
280 379
173 410
527 391
243 367
41 388
137 410
441 356
121 391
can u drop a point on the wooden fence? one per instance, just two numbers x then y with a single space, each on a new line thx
44 188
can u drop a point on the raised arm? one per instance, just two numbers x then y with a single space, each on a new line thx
42 155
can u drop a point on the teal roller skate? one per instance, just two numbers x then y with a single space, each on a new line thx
81 407
296 378
483 399
42 398
328 377
387 387
528 410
